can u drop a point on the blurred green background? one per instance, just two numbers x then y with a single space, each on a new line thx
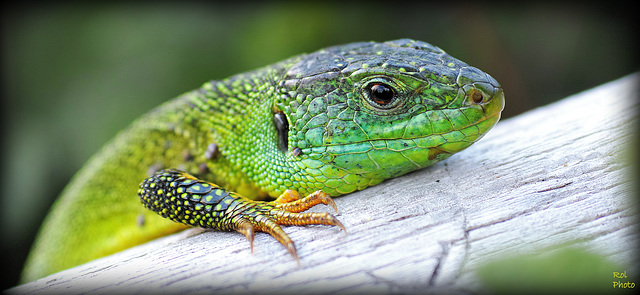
74 75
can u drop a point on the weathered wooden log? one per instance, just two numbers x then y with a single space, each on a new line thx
554 175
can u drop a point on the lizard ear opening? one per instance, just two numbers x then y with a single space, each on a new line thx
282 127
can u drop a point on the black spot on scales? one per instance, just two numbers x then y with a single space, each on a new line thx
187 156
203 168
212 151
282 127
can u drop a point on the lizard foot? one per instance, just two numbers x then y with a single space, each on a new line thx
183 198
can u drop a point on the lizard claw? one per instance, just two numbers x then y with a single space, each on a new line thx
246 229
285 210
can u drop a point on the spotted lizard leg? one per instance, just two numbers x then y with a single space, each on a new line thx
183 198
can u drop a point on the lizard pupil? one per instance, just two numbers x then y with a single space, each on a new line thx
381 94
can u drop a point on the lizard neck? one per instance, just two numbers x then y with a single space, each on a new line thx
236 117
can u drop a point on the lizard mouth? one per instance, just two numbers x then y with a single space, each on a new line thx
449 142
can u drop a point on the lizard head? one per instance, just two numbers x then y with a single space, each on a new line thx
351 116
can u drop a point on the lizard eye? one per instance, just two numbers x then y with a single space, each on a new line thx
380 95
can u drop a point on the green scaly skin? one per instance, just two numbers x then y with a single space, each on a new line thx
337 120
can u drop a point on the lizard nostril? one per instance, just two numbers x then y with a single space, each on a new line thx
480 92
477 97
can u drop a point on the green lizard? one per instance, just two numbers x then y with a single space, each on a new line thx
321 124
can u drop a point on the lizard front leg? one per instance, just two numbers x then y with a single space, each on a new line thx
183 198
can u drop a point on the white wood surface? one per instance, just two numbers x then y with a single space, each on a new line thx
558 174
